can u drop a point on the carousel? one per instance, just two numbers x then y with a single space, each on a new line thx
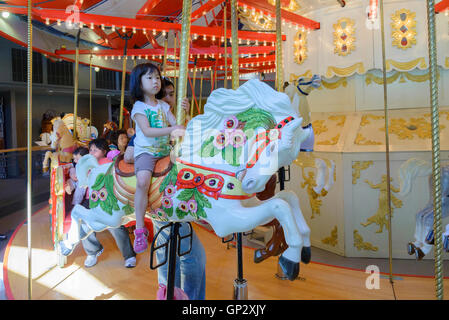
313 125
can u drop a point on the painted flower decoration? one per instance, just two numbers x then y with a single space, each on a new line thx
193 206
238 138
103 194
274 134
183 206
94 196
231 123
160 213
170 190
167 202
222 140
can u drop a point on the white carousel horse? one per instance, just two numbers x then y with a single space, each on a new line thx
227 155
424 234
298 92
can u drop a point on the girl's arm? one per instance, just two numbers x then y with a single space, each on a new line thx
150 132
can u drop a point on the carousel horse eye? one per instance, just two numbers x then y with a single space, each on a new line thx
230 186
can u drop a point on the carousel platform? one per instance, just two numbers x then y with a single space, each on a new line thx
109 279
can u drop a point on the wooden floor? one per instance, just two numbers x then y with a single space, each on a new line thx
109 279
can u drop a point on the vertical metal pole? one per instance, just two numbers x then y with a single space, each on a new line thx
183 61
174 231
437 223
75 93
279 58
122 96
225 24
90 98
201 92
175 70
234 45
164 73
29 145
193 92
387 142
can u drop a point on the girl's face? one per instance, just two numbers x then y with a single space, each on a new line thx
151 83
76 157
170 96
97 153
122 139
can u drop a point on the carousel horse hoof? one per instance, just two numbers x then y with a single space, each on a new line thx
259 255
430 239
419 254
306 255
290 268
64 250
411 248
446 243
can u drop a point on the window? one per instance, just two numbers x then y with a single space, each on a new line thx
20 65
106 79
60 73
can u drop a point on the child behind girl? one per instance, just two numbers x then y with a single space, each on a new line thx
154 125
72 182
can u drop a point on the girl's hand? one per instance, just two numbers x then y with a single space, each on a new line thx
185 104
177 132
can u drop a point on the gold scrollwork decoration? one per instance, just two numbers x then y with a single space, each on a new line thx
344 36
314 198
341 119
319 127
419 63
381 216
345 72
292 5
362 141
403 29
333 141
365 119
332 240
358 167
408 129
402 76
361 245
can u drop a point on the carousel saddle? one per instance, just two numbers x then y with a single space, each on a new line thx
125 181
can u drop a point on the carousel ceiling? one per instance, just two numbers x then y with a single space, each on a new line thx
152 23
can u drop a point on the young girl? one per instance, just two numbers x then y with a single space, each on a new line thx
72 183
154 125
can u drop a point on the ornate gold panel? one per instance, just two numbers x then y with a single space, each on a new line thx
403 29
359 166
344 39
361 245
381 216
300 46
332 240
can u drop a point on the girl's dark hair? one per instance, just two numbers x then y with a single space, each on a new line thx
165 83
135 82
100 143
114 136
81 151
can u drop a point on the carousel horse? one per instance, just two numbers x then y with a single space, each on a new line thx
298 92
424 235
227 155
62 141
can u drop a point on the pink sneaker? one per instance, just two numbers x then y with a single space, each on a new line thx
140 241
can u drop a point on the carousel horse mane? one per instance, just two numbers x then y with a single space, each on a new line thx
223 103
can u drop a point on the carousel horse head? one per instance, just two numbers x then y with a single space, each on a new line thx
108 127
85 164
252 131
60 136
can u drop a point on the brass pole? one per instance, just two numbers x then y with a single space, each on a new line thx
29 146
193 92
183 60
387 143
175 47
212 80
122 95
225 43
279 58
90 98
234 45
164 73
201 93
437 223
75 102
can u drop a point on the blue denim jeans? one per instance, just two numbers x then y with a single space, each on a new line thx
190 269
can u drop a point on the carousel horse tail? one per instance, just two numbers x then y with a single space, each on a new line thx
409 170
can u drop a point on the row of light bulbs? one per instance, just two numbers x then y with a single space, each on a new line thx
164 32
284 23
